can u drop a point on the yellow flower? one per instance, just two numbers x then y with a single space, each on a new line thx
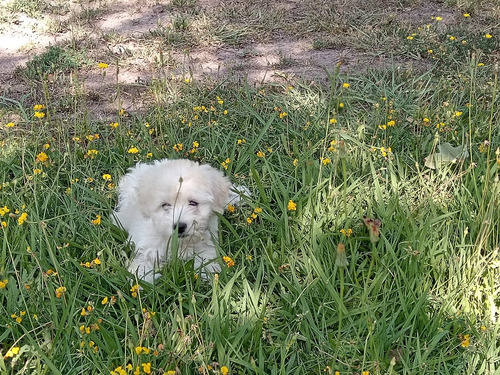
409 37
249 220
260 154
346 85
452 38
104 301
391 123
295 162
9 125
488 36
333 121
326 161
465 341
37 171
39 115
170 372
257 210
437 19
12 352
429 51
96 261
178 147
102 65
347 232
466 15
283 114
224 370
97 220
4 223
292 206
4 210
241 141
229 261
146 367
230 208
114 125
106 177
3 283
42 157
220 101
133 150
38 107
91 154
341 105
60 291
133 290
22 218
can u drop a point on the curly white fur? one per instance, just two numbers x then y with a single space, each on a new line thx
172 196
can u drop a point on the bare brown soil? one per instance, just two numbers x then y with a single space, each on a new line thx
267 42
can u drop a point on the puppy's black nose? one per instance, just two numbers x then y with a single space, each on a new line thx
181 228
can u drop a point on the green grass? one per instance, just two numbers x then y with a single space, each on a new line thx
404 304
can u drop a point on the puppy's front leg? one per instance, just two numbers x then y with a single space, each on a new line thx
144 266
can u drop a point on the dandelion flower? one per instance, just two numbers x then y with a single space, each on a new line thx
229 261
224 370
97 220
465 341
292 206
12 352
22 218
60 291
146 367
42 157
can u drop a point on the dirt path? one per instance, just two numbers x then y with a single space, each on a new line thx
262 41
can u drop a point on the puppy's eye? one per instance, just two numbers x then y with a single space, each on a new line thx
193 203
166 206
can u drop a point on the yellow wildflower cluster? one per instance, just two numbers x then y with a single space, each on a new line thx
292 206
346 232
225 163
18 318
102 65
178 147
230 208
21 219
3 283
254 215
97 220
229 261
60 291
146 369
86 330
12 352
91 264
134 290
133 150
91 154
195 147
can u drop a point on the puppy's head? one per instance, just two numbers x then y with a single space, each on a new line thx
181 195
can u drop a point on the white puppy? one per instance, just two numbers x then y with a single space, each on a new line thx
171 197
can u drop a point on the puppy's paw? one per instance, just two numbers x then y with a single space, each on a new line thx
236 195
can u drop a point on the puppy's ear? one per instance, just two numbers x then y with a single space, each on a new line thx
219 186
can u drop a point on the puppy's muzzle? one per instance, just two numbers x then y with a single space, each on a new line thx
181 229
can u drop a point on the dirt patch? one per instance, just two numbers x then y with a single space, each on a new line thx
203 40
